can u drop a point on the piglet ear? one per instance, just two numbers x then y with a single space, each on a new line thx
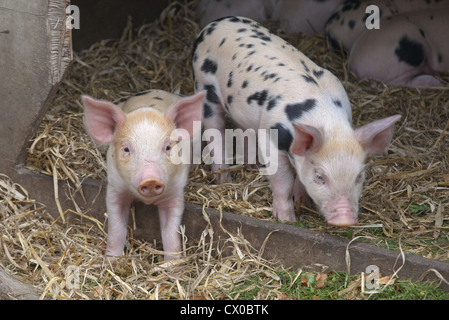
185 111
101 119
307 139
376 136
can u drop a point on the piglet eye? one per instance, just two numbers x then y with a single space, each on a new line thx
167 148
125 150
319 178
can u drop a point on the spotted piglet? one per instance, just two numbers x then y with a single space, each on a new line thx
263 82
141 134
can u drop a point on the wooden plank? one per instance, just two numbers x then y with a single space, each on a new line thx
36 49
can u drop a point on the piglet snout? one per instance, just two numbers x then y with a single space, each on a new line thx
151 188
342 213
342 220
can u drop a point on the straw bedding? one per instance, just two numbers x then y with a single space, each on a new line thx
67 262
405 198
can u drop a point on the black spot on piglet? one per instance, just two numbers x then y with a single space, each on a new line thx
211 94
208 111
260 97
229 84
285 138
410 52
309 79
296 110
209 66
337 102
318 73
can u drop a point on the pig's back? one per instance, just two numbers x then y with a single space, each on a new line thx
159 100
253 71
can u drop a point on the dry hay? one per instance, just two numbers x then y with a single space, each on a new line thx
406 191
67 262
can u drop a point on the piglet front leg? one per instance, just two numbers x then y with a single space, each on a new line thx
118 207
170 215
282 186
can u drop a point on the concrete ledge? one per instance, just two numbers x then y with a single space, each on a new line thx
294 247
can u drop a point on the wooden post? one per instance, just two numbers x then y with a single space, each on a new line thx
35 50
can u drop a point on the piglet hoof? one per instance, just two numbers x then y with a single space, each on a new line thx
287 217
111 257
284 215
171 257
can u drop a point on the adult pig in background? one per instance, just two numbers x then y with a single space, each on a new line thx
308 16
409 49
259 10
348 21
139 135
262 82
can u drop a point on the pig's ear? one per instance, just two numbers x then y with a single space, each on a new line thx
376 136
185 111
101 119
307 139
